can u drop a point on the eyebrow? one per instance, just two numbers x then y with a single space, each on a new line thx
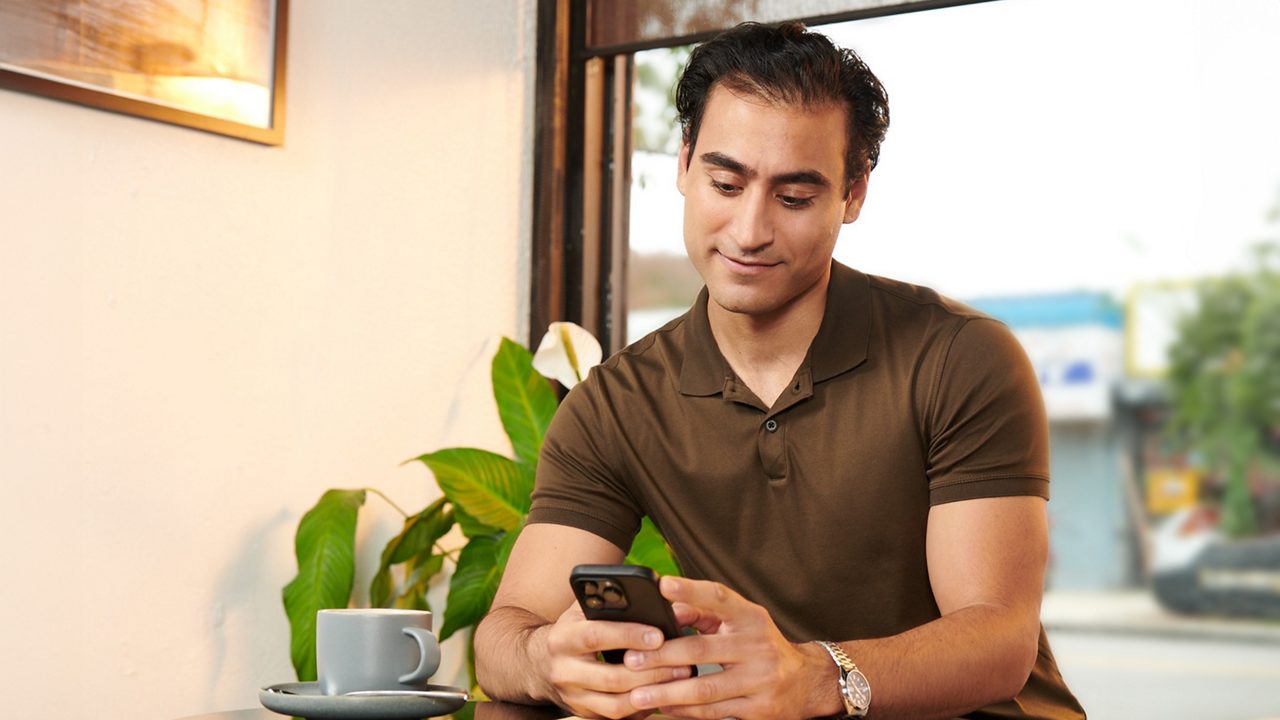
797 177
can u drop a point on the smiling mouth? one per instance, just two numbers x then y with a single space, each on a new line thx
747 265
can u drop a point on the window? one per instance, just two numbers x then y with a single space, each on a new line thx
1039 146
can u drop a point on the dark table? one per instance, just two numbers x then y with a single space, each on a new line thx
481 710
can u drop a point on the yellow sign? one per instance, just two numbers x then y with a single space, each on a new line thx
1171 489
1151 325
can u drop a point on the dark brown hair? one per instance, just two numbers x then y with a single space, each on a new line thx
788 64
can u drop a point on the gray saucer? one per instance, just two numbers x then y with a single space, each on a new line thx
304 699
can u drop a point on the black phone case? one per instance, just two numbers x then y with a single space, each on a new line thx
645 603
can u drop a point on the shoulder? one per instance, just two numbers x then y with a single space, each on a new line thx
942 340
904 301
652 362
903 314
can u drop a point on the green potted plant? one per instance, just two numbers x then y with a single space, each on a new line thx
484 494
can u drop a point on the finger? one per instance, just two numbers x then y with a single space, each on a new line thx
615 679
688 650
735 708
588 703
592 636
716 600
705 690
706 596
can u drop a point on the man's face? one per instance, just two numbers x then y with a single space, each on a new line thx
764 200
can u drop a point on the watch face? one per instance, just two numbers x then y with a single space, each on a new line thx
861 688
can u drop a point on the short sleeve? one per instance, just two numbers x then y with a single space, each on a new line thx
986 429
577 482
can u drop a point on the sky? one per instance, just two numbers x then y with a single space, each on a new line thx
1054 145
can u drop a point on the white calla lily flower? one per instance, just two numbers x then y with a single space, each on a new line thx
566 353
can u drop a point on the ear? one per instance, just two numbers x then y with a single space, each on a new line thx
682 167
857 194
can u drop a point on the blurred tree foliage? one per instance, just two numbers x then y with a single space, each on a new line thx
653 110
1224 380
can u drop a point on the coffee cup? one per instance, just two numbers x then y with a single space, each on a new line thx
375 649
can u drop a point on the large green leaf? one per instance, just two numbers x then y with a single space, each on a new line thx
651 550
473 585
325 548
416 540
475 581
525 400
485 487
472 527
420 575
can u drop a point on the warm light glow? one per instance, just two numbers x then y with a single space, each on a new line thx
226 98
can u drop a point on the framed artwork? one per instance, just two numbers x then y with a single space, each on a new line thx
213 65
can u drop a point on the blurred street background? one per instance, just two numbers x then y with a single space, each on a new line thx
1104 177
1126 657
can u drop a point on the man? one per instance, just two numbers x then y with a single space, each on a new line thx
833 457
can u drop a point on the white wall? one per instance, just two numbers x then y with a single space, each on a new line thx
198 335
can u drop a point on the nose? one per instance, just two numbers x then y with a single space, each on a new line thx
752 226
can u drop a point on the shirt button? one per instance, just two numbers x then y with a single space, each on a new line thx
771 425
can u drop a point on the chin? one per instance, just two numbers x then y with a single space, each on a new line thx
743 303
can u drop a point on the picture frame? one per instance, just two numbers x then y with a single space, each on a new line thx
211 65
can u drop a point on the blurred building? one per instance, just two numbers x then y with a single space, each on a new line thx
1076 343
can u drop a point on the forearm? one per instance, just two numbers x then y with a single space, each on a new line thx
511 656
968 659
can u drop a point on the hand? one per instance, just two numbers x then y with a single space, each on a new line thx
594 689
765 675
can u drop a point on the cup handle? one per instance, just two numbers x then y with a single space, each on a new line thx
430 649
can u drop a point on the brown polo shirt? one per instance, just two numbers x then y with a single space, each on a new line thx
816 507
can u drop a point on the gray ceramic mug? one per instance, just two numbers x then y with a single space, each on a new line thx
376 649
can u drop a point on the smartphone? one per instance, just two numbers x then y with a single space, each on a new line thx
626 593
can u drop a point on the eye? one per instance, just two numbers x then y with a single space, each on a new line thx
793 202
725 188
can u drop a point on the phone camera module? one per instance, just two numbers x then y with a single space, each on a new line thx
613 595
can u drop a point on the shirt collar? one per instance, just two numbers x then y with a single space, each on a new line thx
704 369
840 345
843 337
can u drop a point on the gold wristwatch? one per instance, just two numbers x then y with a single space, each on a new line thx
855 691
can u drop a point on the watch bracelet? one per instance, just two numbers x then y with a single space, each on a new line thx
844 665
841 668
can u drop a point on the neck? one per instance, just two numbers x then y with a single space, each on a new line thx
765 350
